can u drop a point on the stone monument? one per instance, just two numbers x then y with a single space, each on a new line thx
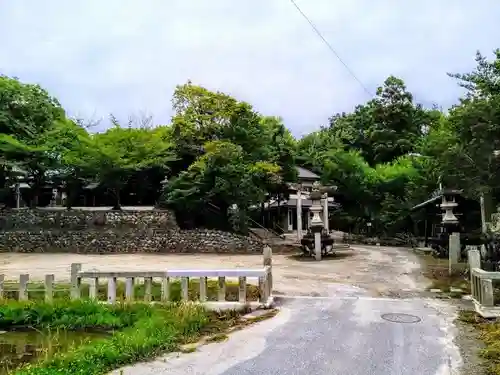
450 223
316 222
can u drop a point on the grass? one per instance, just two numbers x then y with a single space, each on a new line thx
489 334
139 331
68 315
437 271
36 291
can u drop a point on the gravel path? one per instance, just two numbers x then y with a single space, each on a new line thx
377 269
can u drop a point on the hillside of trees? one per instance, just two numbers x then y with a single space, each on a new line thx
385 156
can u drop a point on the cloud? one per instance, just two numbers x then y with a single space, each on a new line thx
124 57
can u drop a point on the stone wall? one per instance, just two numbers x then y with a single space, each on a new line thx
106 231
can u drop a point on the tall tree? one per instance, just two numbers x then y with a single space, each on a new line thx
386 127
27 114
115 155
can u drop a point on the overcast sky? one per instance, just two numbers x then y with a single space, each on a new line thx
126 56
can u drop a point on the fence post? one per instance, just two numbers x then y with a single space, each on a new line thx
165 289
487 298
112 290
453 251
222 289
129 289
185 288
49 287
148 285
474 261
94 288
203 289
2 278
242 289
23 287
75 280
268 263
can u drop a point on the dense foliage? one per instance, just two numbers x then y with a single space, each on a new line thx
219 153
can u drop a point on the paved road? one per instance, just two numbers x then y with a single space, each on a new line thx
345 335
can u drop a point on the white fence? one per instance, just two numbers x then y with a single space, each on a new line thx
482 287
92 278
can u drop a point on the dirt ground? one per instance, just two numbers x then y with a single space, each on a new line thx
377 269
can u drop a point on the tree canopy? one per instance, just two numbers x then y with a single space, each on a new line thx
219 153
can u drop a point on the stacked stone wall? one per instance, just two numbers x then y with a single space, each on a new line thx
106 231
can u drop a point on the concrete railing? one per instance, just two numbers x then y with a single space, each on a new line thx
92 278
482 287
130 277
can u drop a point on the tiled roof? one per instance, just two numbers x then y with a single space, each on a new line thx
305 203
306 174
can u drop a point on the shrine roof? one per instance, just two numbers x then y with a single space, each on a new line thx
437 195
306 174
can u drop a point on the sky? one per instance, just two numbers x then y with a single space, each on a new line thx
125 57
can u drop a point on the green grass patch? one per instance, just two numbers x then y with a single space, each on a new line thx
69 315
138 331
489 334
437 271
36 291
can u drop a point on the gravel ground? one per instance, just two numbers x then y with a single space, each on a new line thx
467 340
377 269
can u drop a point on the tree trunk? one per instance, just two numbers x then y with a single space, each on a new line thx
116 193
70 194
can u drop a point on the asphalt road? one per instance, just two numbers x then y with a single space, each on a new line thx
328 336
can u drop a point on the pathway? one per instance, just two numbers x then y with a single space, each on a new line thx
348 330
378 269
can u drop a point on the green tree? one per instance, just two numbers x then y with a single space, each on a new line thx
385 128
115 155
222 176
27 113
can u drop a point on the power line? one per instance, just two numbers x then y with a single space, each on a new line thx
330 47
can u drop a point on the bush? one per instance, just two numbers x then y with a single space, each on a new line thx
143 331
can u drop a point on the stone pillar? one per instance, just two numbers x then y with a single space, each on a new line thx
325 213
268 262
18 195
484 226
453 250
316 223
299 214
474 258
317 245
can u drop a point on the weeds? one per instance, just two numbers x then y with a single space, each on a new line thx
69 315
146 331
489 334
437 271
218 337
137 331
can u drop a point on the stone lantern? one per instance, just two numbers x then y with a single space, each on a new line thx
447 205
451 226
316 222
